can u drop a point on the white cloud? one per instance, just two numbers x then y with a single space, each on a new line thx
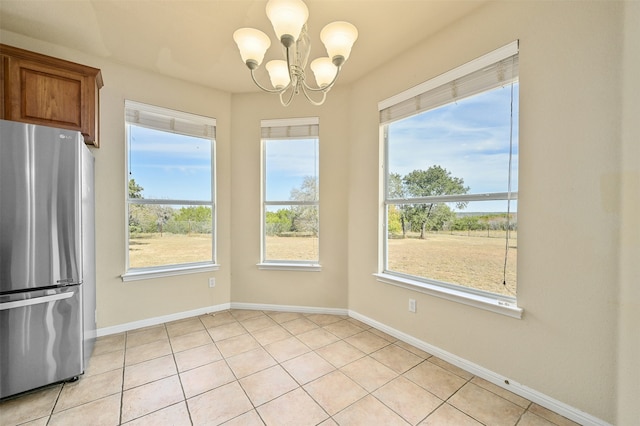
466 139
294 158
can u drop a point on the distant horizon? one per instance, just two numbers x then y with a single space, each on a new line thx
173 166
469 138
491 213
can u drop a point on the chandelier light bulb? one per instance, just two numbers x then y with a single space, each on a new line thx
324 70
278 73
252 44
287 18
338 37
288 77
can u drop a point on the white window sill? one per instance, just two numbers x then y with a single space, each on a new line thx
148 273
497 305
283 266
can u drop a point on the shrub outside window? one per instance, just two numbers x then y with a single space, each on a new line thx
170 200
451 180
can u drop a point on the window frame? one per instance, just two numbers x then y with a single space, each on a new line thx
282 129
402 103
183 123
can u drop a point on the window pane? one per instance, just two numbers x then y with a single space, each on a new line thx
169 235
466 147
470 139
291 169
291 233
466 247
169 165
290 174
170 198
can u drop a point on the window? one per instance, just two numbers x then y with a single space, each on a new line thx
290 197
451 181
170 200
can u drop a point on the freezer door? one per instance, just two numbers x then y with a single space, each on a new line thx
40 338
40 207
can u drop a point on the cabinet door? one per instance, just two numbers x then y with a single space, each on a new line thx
53 97
4 64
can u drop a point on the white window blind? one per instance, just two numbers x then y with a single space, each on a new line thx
159 118
293 128
495 69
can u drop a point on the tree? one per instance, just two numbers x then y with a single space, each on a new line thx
278 222
194 214
135 190
190 219
135 213
308 190
305 218
148 218
394 220
435 180
395 189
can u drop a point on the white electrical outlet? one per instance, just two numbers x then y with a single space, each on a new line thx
412 305
212 282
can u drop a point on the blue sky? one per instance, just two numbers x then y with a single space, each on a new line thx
170 166
469 138
288 162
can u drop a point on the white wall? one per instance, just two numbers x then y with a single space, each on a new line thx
119 302
122 302
324 289
569 200
628 360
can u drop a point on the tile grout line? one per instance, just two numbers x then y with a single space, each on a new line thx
446 401
279 364
336 369
317 326
370 393
175 363
224 358
124 366
53 407
343 339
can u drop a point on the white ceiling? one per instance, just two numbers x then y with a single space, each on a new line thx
192 39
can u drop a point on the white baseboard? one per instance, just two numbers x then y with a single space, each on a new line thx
475 369
532 395
290 308
105 331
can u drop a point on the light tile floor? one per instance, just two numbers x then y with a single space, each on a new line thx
243 367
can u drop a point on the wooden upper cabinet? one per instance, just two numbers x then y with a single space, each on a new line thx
53 92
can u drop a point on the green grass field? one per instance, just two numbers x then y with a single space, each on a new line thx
147 250
459 259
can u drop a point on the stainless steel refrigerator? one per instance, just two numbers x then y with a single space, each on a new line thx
47 256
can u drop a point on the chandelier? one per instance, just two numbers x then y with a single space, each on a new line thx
289 20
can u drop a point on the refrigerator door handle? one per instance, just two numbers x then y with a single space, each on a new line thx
35 301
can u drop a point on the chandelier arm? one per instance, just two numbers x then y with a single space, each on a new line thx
288 101
313 102
253 77
326 88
